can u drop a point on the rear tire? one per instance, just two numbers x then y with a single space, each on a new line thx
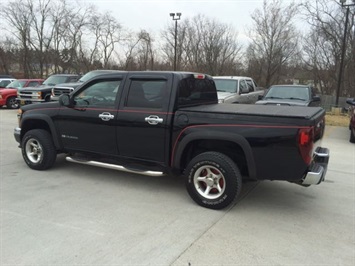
213 180
38 149
352 136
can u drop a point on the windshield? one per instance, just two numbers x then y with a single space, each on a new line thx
288 92
17 84
226 85
88 76
54 80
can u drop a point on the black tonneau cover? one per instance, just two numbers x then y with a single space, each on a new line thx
258 110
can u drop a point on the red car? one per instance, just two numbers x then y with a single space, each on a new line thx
8 98
351 102
8 95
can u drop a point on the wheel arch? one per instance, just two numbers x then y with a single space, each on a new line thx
40 122
47 97
233 145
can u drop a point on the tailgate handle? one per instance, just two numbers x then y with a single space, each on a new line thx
153 120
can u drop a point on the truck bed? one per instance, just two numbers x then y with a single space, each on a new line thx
304 116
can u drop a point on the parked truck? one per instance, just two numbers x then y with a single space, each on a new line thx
42 93
237 89
157 123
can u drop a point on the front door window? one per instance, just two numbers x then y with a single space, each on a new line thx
100 94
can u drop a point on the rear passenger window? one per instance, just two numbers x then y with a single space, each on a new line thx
147 94
243 87
250 85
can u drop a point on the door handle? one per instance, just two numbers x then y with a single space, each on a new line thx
106 116
153 120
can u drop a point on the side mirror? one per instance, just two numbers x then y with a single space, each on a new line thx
260 97
64 100
316 98
350 101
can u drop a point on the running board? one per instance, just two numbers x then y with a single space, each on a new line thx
114 167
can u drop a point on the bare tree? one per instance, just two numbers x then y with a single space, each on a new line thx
74 41
107 35
19 17
203 45
168 47
42 35
145 51
274 39
8 53
50 33
59 16
323 46
138 53
129 51
319 61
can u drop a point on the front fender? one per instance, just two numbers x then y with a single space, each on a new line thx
34 121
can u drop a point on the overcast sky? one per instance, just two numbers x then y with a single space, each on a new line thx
153 15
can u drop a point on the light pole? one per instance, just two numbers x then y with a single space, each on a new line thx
176 17
343 49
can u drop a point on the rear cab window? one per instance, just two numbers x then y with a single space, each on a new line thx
196 91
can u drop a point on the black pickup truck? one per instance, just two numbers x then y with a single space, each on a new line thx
158 123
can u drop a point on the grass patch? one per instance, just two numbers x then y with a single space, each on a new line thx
341 120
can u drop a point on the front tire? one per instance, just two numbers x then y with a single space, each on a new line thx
38 149
213 180
12 103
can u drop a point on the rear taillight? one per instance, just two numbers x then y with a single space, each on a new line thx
305 144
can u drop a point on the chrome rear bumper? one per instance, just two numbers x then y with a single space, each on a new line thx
318 169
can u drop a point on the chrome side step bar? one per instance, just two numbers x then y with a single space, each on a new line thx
113 166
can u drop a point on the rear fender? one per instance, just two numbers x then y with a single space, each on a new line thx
213 135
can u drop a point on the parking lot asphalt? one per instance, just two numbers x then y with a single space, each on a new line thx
75 215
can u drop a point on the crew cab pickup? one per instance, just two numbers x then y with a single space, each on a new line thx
237 89
157 123
43 92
